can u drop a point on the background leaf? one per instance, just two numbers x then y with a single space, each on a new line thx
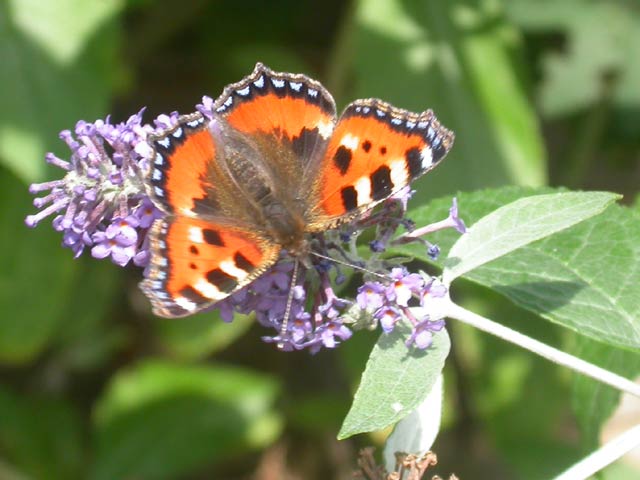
594 402
57 67
395 381
36 277
211 411
46 445
200 335
454 57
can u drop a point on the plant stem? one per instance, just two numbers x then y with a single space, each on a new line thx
557 356
605 455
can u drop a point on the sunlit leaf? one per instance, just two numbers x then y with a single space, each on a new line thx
584 278
395 381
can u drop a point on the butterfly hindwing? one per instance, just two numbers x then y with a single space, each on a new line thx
375 150
196 263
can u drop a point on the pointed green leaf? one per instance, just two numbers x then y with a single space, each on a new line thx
520 223
585 278
395 381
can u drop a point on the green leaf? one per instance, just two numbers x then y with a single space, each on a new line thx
210 411
594 402
42 436
520 223
84 340
198 336
36 277
602 40
458 59
57 67
395 381
584 278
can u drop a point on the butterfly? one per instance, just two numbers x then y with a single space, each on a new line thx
268 168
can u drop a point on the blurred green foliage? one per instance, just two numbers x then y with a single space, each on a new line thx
92 386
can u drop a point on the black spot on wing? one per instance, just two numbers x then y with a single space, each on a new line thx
193 295
222 280
243 262
413 158
212 237
349 198
381 184
342 159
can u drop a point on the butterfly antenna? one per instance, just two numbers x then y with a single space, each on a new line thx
287 310
347 264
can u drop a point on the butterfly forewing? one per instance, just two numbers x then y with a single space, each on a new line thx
375 150
289 117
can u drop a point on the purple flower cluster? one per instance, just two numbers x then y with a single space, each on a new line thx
312 328
389 303
101 204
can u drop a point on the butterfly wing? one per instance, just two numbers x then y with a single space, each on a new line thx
208 245
196 263
288 117
375 150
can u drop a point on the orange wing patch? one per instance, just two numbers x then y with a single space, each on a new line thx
181 159
198 263
277 103
284 116
377 149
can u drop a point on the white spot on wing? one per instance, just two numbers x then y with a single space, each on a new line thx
229 267
363 189
350 141
185 304
427 157
165 142
157 174
312 92
177 133
209 290
243 92
325 128
399 176
159 159
277 82
158 191
296 86
259 82
195 235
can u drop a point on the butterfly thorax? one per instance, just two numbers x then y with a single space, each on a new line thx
286 226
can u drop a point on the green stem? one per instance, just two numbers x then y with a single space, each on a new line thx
557 356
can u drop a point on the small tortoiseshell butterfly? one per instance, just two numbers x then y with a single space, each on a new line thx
271 166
